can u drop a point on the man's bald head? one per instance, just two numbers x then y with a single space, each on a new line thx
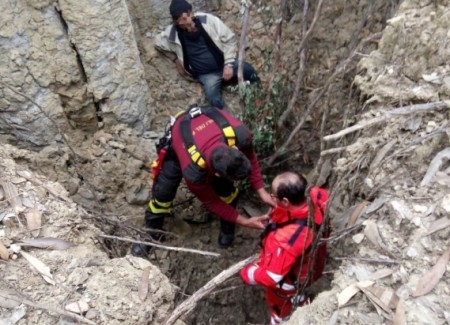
291 186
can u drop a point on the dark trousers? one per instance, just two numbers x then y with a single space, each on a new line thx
165 188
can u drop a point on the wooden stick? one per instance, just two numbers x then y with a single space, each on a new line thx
418 108
369 260
55 310
435 165
277 47
170 248
191 302
241 54
302 58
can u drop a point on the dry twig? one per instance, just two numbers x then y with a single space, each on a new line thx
170 248
241 54
411 109
277 46
369 260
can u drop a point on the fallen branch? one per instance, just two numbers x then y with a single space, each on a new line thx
191 302
419 108
342 233
366 259
170 248
21 299
435 165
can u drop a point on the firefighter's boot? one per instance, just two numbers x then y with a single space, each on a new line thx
152 221
226 235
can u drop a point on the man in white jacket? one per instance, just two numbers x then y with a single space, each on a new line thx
203 48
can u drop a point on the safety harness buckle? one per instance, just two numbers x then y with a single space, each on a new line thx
195 111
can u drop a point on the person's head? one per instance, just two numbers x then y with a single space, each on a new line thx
289 188
182 15
230 163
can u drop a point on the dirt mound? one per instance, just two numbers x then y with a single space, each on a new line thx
43 285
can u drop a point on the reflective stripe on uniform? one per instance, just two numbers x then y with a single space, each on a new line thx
275 277
156 206
228 199
251 274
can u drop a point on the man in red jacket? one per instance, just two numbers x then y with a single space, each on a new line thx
211 150
286 261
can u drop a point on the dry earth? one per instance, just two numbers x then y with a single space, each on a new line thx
401 233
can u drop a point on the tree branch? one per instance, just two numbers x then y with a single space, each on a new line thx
170 248
418 108
191 302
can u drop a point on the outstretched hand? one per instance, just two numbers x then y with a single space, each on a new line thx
253 222
266 197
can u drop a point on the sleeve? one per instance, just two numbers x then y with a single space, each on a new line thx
162 41
227 38
205 193
273 266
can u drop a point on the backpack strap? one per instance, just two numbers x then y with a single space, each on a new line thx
274 226
193 111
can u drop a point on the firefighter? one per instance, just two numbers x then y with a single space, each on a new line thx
212 151
287 262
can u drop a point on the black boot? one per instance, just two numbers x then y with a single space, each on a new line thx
226 235
153 221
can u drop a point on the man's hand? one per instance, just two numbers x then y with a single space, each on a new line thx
266 197
180 68
253 222
227 72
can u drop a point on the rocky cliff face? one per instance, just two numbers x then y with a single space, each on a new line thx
76 66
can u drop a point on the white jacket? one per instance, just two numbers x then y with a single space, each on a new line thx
221 35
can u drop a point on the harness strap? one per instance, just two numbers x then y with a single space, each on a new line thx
274 226
186 132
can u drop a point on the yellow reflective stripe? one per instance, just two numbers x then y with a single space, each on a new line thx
230 136
195 156
201 162
228 199
178 114
160 207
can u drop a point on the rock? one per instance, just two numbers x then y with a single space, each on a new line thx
78 307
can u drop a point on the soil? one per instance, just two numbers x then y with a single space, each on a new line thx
384 164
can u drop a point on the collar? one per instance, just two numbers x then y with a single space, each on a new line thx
280 214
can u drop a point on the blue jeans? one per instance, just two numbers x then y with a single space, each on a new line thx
212 83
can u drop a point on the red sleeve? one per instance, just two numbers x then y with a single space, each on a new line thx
275 262
206 194
255 178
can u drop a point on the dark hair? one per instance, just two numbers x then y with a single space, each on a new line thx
292 186
178 7
230 163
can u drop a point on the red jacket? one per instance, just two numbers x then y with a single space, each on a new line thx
285 250
208 136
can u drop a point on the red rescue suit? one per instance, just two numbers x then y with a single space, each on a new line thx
208 136
285 256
